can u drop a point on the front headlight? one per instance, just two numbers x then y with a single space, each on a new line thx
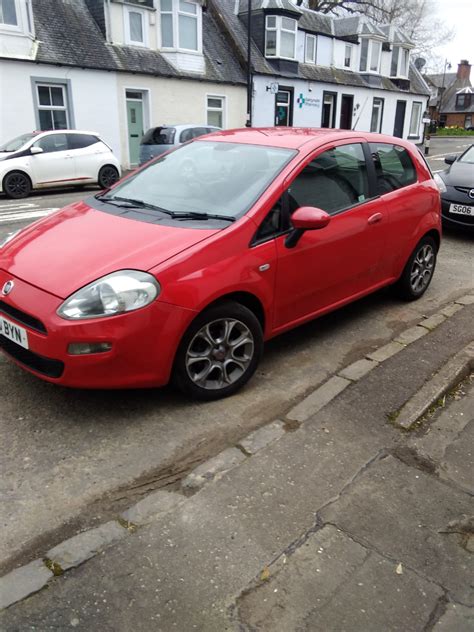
8 237
440 182
113 294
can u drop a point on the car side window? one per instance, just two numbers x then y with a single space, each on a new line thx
394 168
52 143
333 181
186 134
273 225
79 141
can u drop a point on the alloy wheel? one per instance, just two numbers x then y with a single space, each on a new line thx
219 354
422 268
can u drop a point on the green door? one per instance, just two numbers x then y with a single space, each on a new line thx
135 129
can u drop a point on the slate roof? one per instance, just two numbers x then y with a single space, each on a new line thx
448 103
356 25
72 33
316 23
395 35
257 5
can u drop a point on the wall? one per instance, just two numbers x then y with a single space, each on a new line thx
308 114
93 99
178 101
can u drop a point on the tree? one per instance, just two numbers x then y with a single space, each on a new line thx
416 18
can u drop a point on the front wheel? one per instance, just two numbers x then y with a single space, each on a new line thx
108 176
17 185
219 353
418 271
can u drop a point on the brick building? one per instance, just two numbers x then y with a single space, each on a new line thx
452 97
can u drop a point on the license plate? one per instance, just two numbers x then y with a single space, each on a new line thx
461 209
14 332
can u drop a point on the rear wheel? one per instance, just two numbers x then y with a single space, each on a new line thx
418 271
17 185
108 176
219 352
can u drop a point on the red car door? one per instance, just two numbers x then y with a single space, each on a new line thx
331 266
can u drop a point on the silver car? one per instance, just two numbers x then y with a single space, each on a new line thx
158 140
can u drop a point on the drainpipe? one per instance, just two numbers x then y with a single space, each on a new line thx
249 67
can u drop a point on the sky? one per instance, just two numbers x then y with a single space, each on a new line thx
460 15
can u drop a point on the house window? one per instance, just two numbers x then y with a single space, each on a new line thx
375 56
415 119
280 37
135 32
310 49
52 106
370 50
215 111
463 100
377 115
364 51
399 62
8 13
347 56
180 25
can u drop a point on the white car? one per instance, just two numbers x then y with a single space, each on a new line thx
54 159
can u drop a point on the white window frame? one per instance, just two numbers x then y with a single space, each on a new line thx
377 106
279 29
415 117
128 10
222 109
367 68
22 11
307 58
351 55
51 108
175 13
401 53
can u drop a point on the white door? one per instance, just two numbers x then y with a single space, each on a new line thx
56 164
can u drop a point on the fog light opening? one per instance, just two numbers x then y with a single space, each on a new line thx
84 348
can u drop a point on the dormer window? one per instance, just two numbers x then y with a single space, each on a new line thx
8 15
310 49
370 52
181 25
280 37
348 56
135 27
399 63
463 100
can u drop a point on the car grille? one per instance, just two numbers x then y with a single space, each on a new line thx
21 317
40 364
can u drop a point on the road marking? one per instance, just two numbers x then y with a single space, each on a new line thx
17 206
19 217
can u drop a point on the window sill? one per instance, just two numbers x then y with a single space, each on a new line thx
413 137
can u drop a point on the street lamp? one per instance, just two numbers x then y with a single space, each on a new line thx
448 66
249 62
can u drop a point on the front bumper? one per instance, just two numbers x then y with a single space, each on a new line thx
453 196
144 342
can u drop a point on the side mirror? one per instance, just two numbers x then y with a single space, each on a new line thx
36 150
450 159
306 218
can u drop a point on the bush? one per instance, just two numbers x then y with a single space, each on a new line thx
453 130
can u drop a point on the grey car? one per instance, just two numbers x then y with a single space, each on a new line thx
158 140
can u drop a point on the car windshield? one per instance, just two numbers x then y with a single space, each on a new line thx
17 142
206 177
468 156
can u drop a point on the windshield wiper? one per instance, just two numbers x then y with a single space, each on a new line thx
203 216
131 203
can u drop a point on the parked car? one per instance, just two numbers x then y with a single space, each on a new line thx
158 140
457 190
170 274
53 159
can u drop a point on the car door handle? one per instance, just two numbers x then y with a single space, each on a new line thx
373 219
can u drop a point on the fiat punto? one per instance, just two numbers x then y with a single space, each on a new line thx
182 270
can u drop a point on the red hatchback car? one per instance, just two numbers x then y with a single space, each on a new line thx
183 269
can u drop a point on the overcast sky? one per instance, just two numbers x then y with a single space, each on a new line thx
460 15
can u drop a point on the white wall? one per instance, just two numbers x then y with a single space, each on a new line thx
93 97
309 115
324 51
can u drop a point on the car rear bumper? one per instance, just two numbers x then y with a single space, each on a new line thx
143 342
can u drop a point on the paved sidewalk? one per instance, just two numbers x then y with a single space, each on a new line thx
343 523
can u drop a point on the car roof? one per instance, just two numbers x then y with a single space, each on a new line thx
296 137
64 131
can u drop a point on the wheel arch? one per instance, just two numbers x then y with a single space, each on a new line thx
247 299
17 170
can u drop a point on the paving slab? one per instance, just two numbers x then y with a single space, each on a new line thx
457 618
332 582
404 513
458 462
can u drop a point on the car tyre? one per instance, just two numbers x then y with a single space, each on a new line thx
17 185
418 272
108 175
219 352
